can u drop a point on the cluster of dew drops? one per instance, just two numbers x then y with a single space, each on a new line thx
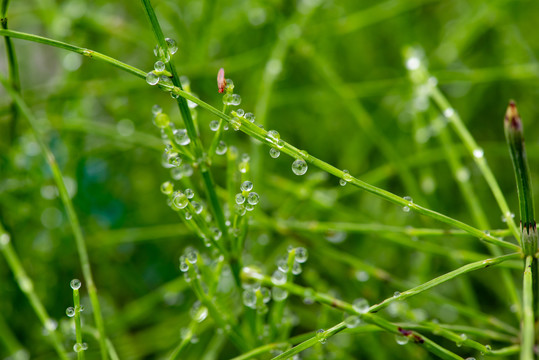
159 74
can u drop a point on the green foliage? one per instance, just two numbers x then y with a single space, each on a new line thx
374 222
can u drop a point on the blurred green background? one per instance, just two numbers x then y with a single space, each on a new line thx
303 73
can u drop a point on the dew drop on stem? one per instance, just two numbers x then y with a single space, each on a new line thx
299 167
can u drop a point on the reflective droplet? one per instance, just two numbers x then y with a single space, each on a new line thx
253 198
180 201
449 112
296 268
183 263
243 167
352 321
247 186
188 215
478 153
159 66
172 46
221 148
396 294
240 209
278 277
161 120
75 284
236 99
167 188
181 137
274 153
413 63
282 264
70 311
189 193
301 255
78 347
299 167
335 237
279 294
362 276
198 312
236 123
410 202
152 78
401 340
361 305
240 112
240 199
198 207
156 109
320 335
249 117
249 299
214 125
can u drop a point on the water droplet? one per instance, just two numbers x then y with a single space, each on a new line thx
335 237
165 80
240 209
4 240
183 263
180 201
240 112
198 207
240 199
396 294
352 321
308 296
77 347
152 78
188 215
75 284
221 148
167 188
299 167
301 255
227 99
236 123
249 299
214 125
266 294
280 144
278 277
274 153
282 264
346 176
296 268
159 66
320 335
250 117
478 153
279 294
410 202
198 312
161 120
273 136
249 207
361 305
70 311
189 193
236 100
413 63
181 137
401 340
156 109
243 167
172 46
51 325
216 233
509 215
449 112
342 182
253 198
362 276
247 186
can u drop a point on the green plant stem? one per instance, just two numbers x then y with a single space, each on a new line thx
471 145
13 66
261 135
78 327
189 125
27 287
79 50
288 149
528 325
12 345
474 205
72 215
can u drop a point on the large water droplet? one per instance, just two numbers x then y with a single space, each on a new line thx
181 137
478 153
247 186
299 167
180 201
301 255
253 198
70 311
361 305
214 125
75 284
249 298
221 148
172 46
274 153
152 78
278 277
279 294
401 340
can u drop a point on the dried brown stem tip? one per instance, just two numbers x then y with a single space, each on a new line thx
512 117
221 81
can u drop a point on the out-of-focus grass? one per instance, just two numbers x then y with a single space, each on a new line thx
482 54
